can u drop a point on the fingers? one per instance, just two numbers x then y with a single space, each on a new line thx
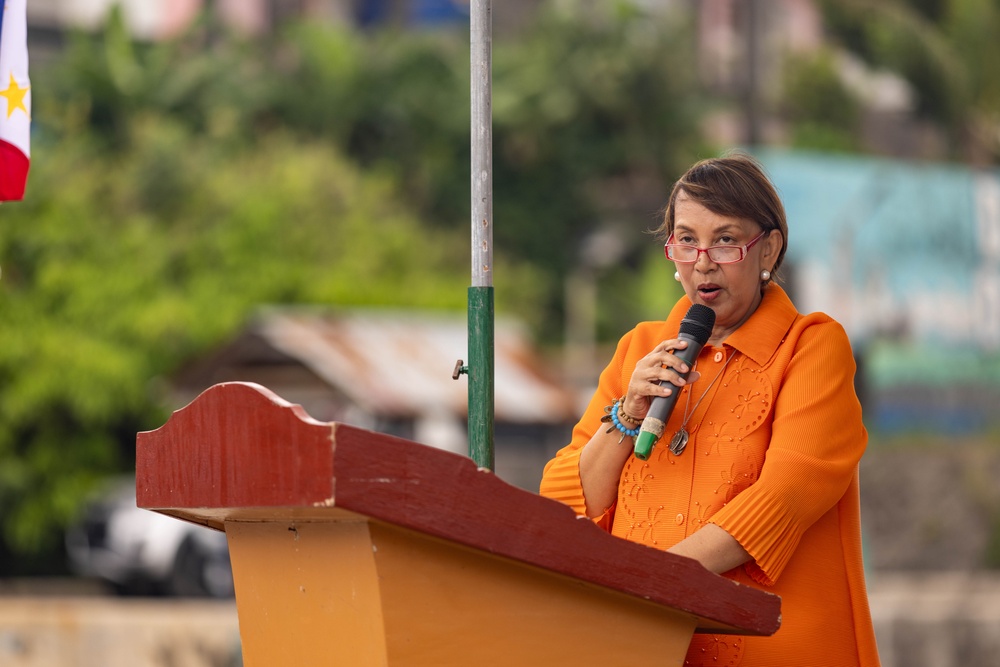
666 365
659 373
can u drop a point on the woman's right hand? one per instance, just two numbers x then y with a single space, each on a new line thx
603 457
656 374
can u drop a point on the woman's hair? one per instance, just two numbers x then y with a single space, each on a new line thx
735 186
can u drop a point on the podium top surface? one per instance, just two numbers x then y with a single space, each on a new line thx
239 451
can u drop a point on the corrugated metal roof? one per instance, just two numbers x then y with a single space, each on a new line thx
400 363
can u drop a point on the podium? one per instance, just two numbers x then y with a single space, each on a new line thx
350 547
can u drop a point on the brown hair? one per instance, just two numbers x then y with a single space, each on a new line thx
735 186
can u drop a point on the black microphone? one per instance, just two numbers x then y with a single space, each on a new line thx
696 329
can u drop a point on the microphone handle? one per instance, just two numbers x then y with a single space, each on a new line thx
661 406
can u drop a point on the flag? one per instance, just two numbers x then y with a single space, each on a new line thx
15 100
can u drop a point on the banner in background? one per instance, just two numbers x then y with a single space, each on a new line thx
15 100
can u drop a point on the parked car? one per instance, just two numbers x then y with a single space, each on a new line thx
142 552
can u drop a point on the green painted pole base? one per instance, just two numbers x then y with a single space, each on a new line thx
481 373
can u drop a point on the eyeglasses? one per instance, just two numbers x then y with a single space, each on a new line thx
720 254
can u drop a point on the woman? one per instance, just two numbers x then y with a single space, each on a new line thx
765 491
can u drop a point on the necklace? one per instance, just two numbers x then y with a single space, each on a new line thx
680 439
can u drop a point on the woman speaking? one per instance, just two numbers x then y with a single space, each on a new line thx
756 472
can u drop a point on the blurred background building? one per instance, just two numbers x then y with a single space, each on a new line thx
389 371
163 19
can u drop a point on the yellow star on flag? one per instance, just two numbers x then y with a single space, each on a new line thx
15 96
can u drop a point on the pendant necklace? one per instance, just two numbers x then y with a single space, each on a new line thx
680 439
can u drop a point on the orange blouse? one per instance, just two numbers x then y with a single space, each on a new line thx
772 459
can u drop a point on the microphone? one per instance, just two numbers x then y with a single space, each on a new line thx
696 329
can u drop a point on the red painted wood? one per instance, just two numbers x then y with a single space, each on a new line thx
236 445
240 446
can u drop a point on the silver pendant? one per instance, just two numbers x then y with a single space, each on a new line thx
679 442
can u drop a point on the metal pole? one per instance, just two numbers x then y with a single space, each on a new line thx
751 103
481 337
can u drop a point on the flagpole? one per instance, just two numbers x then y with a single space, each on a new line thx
481 310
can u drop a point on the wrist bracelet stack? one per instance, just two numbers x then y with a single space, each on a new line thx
615 413
625 417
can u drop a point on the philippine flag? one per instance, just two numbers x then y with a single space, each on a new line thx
15 100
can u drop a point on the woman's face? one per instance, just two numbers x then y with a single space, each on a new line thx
733 291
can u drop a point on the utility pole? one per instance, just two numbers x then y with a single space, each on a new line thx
751 91
481 309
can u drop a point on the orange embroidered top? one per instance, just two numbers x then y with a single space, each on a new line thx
772 459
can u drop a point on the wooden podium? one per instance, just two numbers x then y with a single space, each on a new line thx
356 548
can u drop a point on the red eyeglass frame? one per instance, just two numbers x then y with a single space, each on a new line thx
744 249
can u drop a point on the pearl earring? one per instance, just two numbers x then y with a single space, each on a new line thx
677 276
765 275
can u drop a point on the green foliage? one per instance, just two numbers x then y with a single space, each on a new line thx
595 116
175 187
946 49
583 101
210 86
121 266
822 112
394 103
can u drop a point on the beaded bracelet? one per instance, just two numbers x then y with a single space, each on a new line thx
631 432
625 417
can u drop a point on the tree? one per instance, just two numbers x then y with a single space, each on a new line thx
122 265
177 186
823 114
946 49
591 107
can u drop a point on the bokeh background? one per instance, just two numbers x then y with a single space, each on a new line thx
278 191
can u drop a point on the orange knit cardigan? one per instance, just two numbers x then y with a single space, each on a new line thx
772 459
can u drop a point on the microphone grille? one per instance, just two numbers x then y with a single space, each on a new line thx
698 323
